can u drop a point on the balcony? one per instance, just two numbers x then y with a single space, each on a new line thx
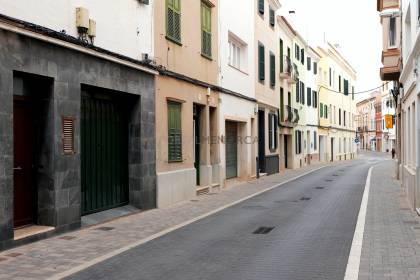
287 70
289 117
391 60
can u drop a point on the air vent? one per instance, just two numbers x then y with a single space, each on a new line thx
68 135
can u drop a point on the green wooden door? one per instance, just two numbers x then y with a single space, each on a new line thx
231 150
104 154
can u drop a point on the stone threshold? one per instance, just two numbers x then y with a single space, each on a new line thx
29 231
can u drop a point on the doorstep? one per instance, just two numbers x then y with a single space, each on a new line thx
31 230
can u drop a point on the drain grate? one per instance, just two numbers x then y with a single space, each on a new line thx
329 180
263 230
305 198
335 175
67 237
104 228
319 188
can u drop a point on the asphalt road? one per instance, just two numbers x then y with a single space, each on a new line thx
312 219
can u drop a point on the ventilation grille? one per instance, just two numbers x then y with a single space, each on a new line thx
68 135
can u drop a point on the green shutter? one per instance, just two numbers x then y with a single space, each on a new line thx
270 131
173 20
346 87
281 56
272 17
206 30
321 110
261 62
326 111
272 70
174 132
261 6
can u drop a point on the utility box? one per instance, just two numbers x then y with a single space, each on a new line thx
92 28
82 18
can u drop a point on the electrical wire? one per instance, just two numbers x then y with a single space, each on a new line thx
359 92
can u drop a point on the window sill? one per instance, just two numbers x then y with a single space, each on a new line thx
206 56
173 40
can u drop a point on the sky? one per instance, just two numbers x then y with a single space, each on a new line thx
354 25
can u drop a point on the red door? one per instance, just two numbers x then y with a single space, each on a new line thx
25 198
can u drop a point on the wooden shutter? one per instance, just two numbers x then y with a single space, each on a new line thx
272 70
315 99
309 96
206 30
281 56
302 56
67 124
302 96
308 63
261 6
346 87
297 92
272 17
173 19
174 132
326 111
275 131
321 110
270 131
261 62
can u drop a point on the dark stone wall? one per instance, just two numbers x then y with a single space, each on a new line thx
59 182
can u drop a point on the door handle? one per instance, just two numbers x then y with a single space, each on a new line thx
17 168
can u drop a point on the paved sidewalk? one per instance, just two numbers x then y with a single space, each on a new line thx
391 244
47 258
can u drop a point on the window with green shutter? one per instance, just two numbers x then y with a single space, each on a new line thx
321 110
326 111
261 62
272 17
174 132
261 6
346 87
272 70
205 30
173 20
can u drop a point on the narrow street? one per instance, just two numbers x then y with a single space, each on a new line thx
311 223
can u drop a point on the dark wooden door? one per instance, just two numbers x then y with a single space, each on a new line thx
261 140
197 143
231 152
25 196
286 144
104 154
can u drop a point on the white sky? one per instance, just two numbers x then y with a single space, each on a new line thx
354 25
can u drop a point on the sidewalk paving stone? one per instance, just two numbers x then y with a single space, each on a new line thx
391 248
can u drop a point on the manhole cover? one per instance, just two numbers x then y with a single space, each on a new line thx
104 228
329 180
305 198
319 188
335 175
263 230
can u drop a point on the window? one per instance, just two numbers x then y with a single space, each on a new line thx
302 93
315 99
339 83
315 68
271 13
308 63
297 91
352 93
261 7
261 62
309 96
392 31
298 142
297 52
315 141
205 30
321 110
346 87
174 132
234 54
302 56
330 77
281 56
272 131
272 70
339 116
344 118
289 98
326 111
173 20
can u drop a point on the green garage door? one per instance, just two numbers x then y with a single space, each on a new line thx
104 152
231 150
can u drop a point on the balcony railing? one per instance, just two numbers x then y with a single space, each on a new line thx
289 117
287 70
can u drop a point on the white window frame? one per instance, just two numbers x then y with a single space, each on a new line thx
394 45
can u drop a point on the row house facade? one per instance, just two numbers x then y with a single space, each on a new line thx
368 125
144 104
388 121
